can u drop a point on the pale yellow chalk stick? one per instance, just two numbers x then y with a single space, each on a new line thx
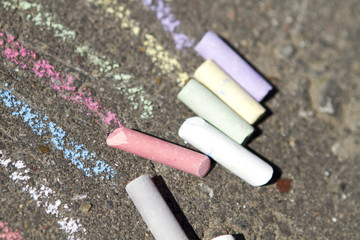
225 88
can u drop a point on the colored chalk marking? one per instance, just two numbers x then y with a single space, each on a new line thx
59 81
41 18
43 126
215 79
169 22
105 66
226 152
206 105
162 59
154 210
44 197
137 98
159 56
121 12
159 150
224 237
7 233
211 46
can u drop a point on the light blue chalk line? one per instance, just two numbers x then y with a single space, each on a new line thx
40 124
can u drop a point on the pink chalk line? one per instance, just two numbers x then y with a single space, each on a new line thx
8 234
59 81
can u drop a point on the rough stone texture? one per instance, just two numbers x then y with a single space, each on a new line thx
307 49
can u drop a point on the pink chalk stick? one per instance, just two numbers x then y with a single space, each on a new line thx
159 150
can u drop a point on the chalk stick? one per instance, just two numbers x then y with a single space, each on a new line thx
206 105
226 152
154 210
159 150
224 87
224 237
211 46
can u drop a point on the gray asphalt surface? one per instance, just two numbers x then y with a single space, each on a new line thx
307 49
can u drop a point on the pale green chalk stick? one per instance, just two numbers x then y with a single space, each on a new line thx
207 106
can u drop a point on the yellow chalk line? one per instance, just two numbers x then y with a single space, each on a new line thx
159 56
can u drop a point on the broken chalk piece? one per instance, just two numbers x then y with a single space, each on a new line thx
224 237
154 210
221 84
206 105
159 150
226 152
211 46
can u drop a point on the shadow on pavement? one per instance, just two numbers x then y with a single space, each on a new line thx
174 207
239 237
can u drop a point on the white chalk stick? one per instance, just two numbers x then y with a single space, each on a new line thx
154 210
224 237
225 151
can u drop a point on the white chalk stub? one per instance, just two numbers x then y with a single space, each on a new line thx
225 151
224 237
154 210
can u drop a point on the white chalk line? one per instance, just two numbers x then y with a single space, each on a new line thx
44 197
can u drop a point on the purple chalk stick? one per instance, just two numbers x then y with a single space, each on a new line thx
211 46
